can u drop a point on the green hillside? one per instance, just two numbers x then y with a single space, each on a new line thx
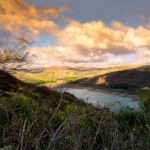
35 117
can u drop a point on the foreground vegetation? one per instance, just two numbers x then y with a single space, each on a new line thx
33 117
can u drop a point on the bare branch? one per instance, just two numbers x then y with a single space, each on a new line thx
13 51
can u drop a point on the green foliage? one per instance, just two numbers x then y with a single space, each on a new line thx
123 86
45 119
18 113
70 79
74 80
32 78
132 119
144 95
77 80
22 106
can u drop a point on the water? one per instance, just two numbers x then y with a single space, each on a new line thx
103 99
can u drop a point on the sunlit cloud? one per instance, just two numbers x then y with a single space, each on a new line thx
88 44
97 36
17 16
94 42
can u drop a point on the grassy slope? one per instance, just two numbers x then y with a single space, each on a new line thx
37 118
31 77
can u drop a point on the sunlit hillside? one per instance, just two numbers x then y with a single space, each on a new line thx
61 74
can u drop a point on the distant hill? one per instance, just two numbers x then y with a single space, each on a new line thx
132 78
58 75
54 75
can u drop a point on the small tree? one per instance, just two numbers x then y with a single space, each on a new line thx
13 51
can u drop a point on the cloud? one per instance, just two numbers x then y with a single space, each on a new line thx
96 35
78 43
143 56
16 15
95 43
61 54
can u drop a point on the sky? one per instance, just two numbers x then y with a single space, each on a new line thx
89 33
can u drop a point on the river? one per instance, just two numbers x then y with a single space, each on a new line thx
114 102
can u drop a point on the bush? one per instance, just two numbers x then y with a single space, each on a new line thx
123 86
28 124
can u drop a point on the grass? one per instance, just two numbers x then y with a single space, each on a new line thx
74 80
38 118
70 79
28 123
32 78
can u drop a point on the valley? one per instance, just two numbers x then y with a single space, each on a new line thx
74 101
122 83
116 79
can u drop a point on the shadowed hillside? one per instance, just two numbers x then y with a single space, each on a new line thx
9 82
134 78
9 85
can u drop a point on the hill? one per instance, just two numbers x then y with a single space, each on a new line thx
57 75
131 78
35 117
12 85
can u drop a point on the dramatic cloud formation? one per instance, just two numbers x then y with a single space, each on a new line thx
98 37
16 15
94 42
88 44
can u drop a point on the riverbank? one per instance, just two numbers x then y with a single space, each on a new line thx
121 92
